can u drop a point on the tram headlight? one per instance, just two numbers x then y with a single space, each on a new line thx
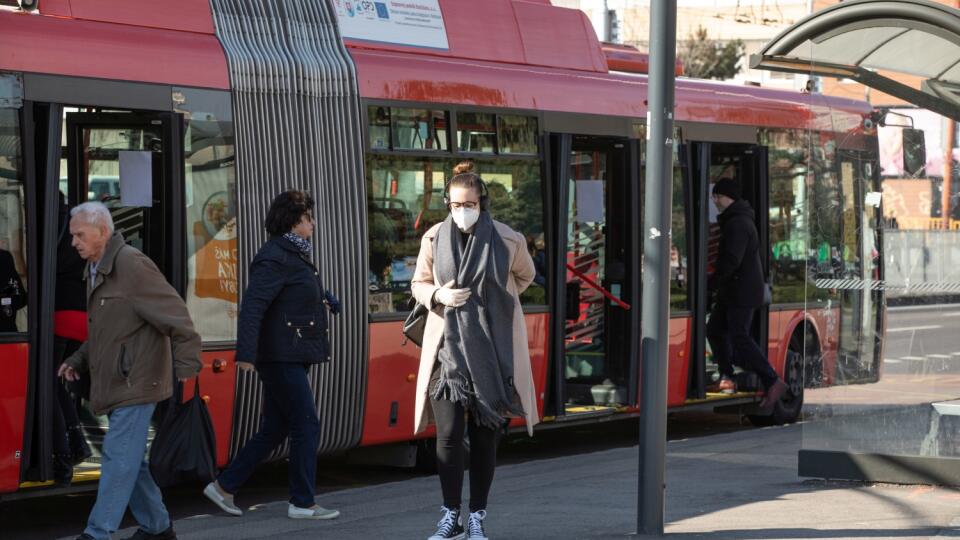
28 5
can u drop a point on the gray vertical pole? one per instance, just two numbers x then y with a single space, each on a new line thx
656 267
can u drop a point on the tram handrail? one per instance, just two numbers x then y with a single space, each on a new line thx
596 286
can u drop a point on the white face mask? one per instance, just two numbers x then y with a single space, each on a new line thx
465 218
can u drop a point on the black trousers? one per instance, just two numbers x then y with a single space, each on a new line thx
728 332
451 426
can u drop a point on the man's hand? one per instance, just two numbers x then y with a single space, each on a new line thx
244 366
68 373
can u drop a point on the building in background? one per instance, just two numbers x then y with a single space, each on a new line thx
754 22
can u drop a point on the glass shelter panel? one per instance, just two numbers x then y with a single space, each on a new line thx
880 337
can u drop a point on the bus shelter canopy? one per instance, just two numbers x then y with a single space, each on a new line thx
858 38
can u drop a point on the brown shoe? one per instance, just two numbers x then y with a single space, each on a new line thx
724 385
774 393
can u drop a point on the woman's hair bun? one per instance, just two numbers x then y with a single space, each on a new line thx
463 167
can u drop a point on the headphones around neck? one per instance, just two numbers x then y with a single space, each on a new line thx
484 197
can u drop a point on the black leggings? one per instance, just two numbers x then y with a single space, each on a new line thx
451 423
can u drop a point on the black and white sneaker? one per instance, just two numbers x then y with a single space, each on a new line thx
475 525
449 527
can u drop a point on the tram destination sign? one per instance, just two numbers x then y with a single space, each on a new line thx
415 23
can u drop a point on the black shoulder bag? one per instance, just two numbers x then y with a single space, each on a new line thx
416 322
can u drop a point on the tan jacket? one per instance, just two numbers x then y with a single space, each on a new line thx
423 285
134 317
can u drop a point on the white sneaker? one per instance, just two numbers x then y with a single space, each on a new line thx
224 501
475 525
316 512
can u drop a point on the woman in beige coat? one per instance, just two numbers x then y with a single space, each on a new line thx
475 365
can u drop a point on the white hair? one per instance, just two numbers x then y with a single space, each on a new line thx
93 213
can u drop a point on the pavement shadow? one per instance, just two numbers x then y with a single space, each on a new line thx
801 532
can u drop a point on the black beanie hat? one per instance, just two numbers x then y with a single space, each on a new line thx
728 187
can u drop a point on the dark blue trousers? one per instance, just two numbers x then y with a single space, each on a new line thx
288 410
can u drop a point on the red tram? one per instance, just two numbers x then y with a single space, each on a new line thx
369 105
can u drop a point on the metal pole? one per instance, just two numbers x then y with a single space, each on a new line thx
946 196
656 267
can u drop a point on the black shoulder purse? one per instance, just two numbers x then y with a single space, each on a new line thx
415 324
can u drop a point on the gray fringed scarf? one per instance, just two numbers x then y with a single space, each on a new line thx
476 355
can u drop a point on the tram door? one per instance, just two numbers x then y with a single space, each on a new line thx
132 162
128 162
598 283
747 165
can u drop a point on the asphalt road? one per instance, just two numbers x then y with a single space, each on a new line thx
55 517
915 333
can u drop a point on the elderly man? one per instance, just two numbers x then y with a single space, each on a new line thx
135 319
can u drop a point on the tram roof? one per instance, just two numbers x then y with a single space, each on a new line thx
862 39
502 53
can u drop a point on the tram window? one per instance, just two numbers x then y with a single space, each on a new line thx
406 199
518 134
211 218
418 129
516 199
378 127
13 270
476 132
788 213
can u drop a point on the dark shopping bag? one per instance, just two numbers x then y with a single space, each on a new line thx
184 449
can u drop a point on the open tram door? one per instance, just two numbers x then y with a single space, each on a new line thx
131 161
596 318
127 162
747 165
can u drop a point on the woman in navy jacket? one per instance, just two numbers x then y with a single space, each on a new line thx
282 331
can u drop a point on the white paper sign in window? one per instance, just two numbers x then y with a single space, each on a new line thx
136 178
589 201
416 23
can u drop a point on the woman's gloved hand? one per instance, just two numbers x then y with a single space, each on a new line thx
332 302
451 297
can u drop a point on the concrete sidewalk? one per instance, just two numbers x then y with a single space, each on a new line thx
735 485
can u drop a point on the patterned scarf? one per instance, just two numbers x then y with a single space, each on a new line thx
302 244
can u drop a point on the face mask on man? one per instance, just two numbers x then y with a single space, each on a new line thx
465 218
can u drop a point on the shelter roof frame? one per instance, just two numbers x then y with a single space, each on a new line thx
857 38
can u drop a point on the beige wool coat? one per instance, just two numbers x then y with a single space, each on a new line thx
423 286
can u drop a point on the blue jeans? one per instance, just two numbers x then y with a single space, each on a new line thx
289 408
125 477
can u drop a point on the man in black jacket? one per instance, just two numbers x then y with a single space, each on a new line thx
737 282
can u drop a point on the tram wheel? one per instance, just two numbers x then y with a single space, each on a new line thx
801 352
